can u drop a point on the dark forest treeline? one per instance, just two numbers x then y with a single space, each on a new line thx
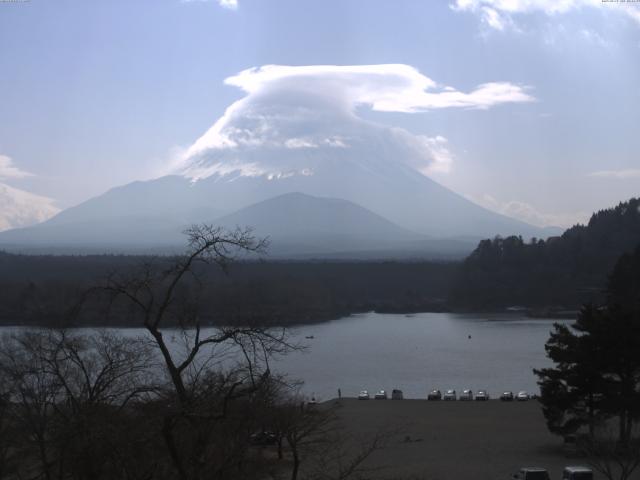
563 271
542 275
43 289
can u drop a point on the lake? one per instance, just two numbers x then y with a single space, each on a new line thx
415 353
420 352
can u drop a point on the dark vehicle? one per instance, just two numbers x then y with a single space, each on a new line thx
531 473
577 473
434 395
396 394
506 397
263 438
450 395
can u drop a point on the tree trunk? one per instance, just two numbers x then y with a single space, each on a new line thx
296 463
591 416
624 430
167 433
176 377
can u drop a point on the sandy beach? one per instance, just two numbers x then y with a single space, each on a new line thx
454 440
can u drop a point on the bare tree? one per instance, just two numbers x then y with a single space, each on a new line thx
605 452
345 457
33 398
68 393
318 446
200 400
7 427
306 429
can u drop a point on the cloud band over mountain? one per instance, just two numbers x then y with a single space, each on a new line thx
293 116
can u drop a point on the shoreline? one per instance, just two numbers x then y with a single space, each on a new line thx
540 314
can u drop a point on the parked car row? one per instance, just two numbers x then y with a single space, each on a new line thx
381 395
521 396
450 395
481 395
569 473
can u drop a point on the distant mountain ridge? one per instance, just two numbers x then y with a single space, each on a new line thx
152 214
318 224
297 225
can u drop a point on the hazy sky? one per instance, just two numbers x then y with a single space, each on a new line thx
529 107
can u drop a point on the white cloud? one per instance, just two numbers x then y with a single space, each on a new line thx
498 13
437 159
492 18
309 142
295 118
550 7
530 214
617 174
634 13
9 170
594 37
230 4
384 88
20 209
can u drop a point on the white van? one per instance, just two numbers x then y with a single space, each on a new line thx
577 473
531 473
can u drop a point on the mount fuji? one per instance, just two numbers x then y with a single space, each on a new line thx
393 209
358 185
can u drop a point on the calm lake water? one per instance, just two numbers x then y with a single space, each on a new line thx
415 353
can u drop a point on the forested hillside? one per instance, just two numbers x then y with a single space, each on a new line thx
43 289
560 272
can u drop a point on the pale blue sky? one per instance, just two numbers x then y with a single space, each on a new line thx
97 94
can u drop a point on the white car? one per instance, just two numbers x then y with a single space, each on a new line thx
482 395
531 473
363 395
381 395
466 395
522 396
577 473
